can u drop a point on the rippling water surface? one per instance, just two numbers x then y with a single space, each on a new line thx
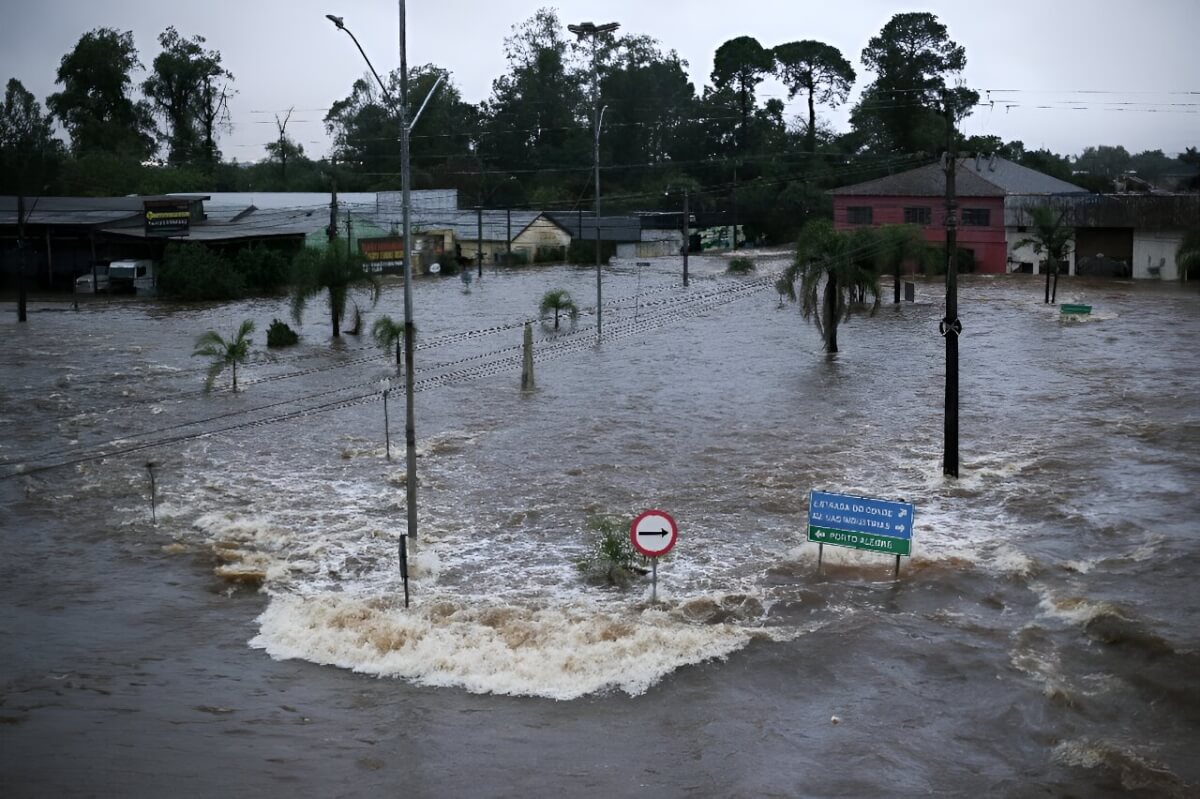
1045 625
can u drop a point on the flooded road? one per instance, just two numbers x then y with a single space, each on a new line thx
1042 640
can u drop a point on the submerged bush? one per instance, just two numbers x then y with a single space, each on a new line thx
612 558
740 266
280 335
194 273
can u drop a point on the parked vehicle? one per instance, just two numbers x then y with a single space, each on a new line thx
91 284
133 276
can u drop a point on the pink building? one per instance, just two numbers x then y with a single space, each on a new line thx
917 197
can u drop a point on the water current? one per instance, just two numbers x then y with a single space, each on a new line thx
1043 633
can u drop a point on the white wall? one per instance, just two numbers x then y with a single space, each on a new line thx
1155 249
1026 253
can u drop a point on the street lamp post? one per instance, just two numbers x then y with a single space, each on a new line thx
591 30
410 437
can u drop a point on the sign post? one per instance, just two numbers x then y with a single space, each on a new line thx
875 525
653 533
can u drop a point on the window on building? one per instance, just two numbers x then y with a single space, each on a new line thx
918 216
858 214
977 217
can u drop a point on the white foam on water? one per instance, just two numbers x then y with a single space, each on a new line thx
561 652
1135 771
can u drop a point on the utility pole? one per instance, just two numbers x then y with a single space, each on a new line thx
410 432
733 238
333 219
479 238
349 233
21 301
588 29
508 236
950 326
687 239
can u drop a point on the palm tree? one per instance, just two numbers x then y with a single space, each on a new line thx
1050 238
558 301
900 244
224 353
1187 256
388 334
331 270
843 263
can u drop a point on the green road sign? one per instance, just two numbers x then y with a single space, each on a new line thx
867 541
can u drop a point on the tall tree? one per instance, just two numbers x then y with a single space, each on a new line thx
538 115
1187 255
739 65
834 269
94 104
189 88
912 58
29 152
817 69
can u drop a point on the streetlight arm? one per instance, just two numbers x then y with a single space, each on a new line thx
340 26
428 97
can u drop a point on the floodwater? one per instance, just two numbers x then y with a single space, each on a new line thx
1041 641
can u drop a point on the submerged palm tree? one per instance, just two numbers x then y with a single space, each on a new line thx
900 244
840 263
388 334
224 353
331 270
558 301
1052 240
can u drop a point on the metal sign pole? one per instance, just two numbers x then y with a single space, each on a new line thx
820 554
153 509
654 581
387 434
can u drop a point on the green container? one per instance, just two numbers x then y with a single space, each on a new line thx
1067 307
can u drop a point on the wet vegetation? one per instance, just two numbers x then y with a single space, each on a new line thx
611 558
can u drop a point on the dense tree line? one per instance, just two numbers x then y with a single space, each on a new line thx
529 143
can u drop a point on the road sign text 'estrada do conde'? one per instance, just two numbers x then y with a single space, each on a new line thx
876 525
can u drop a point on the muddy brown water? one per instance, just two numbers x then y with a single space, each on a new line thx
1042 640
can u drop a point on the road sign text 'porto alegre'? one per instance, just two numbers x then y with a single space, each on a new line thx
877 525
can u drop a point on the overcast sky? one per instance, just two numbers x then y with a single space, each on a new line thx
1063 74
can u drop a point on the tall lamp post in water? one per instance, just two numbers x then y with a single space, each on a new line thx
410 436
591 30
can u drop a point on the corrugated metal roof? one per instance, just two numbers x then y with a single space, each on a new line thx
612 228
257 224
1017 179
925 181
983 177
83 211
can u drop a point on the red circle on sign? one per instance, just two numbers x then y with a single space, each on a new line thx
649 536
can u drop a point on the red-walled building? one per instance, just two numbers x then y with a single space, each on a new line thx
918 197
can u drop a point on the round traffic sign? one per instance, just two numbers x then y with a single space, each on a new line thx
653 533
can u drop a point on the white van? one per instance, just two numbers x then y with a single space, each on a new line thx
85 284
137 276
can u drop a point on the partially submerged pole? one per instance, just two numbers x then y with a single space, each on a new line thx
527 359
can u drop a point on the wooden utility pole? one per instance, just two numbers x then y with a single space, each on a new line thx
950 326
479 238
333 216
21 303
687 240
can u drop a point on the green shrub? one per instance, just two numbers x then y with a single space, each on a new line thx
612 558
264 270
583 251
194 273
550 255
740 266
280 335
